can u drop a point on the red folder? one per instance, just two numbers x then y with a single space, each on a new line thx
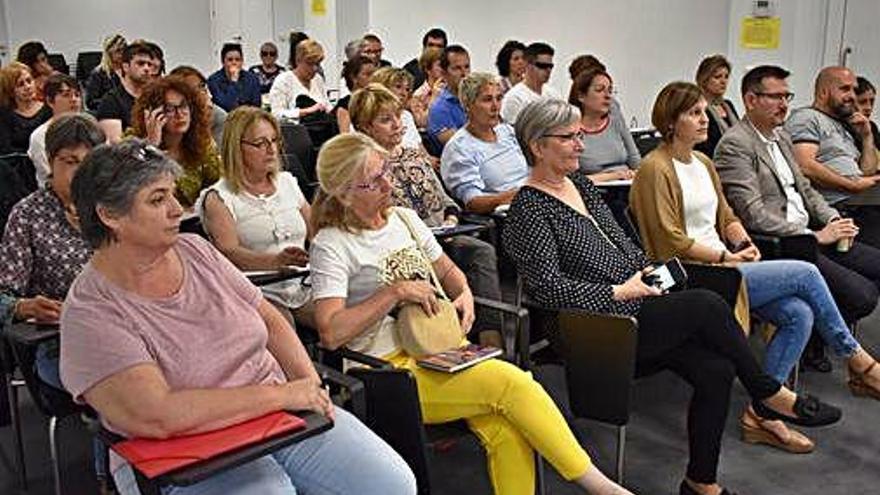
156 457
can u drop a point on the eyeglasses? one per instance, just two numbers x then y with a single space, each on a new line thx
544 65
574 137
179 109
778 97
373 183
264 144
268 54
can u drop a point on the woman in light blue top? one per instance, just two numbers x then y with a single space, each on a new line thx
482 165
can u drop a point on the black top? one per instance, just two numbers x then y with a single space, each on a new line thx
266 78
418 75
707 147
15 129
568 260
99 84
342 103
876 134
116 105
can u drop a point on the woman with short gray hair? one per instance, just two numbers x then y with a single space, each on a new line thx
163 336
571 253
482 164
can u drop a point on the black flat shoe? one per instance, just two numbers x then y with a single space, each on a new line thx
685 489
817 362
809 411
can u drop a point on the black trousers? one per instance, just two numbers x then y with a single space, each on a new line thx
853 278
693 334
479 263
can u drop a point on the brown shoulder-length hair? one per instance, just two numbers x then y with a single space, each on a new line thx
197 140
709 65
9 76
674 99
582 83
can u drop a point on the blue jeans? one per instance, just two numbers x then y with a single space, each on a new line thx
793 296
349 458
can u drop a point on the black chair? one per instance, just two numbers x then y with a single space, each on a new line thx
799 247
18 178
11 384
86 63
646 140
54 403
58 62
299 156
393 411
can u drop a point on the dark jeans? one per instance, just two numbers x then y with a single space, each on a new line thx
868 220
853 278
693 334
477 260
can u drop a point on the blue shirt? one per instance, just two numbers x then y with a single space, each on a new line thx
228 95
446 113
472 167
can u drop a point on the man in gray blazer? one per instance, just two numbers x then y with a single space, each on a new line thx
766 189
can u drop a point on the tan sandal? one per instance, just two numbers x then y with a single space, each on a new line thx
858 386
757 433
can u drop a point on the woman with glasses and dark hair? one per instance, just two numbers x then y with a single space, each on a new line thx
199 82
267 70
357 72
256 214
712 77
572 254
511 64
164 337
609 150
174 117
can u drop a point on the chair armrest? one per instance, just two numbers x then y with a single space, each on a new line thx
353 387
32 334
365 359
266 277
521 338
461 229
722 280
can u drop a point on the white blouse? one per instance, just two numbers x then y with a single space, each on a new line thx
700 202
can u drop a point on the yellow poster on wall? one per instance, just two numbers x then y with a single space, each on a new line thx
760 33
319 7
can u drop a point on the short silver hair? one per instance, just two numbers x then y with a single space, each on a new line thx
111 176
353 48
72 130
540 117
469 87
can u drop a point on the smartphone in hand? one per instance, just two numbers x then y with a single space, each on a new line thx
741 245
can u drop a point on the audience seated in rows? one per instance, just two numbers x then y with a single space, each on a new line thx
826 148
163 336
414 185
482 165
108 74
141 63
446 115
372 48
572 254
539 66
356 72
176 118
609 150
300 92
770 195
43 249
434 38
257 214
34 55
267 70
511 64
712 77
432 85
20 110
197 81
399 82
63 96
231 86
366 259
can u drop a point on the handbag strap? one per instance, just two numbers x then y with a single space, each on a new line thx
412 233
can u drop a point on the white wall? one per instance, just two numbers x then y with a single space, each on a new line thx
181 27
645 44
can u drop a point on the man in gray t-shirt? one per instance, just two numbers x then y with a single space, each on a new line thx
827 152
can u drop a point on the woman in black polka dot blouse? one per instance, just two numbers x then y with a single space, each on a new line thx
571 254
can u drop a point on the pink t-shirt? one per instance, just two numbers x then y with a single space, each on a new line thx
207 335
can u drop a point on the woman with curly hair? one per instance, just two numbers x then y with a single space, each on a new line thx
172 115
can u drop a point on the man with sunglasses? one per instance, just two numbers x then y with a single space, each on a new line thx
268 70
539 66
764 185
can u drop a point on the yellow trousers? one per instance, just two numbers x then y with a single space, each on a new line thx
509 412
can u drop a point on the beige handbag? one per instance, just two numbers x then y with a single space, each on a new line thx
420 334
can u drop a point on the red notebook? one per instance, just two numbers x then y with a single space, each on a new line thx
156 457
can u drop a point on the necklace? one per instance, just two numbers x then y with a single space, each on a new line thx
558 185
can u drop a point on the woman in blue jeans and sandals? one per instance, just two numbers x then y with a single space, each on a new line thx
677 200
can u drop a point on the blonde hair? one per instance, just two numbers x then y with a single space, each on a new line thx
340 162
9 76
391 76
366 103
429 57
237 123
309 50
112 42
469 88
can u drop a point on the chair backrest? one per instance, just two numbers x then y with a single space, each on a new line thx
646 140
85 63
17 180
600 354
57 61
48 399
394 413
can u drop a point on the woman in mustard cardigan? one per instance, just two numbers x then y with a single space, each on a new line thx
676 197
